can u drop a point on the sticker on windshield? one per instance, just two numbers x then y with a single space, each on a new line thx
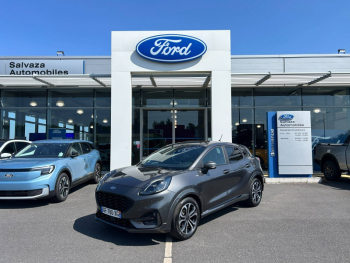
60 154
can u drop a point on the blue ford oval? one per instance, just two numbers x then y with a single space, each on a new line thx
286 117
171 48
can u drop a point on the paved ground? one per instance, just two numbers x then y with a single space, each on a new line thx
294 223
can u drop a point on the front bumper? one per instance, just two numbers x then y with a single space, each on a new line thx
131 219
23 195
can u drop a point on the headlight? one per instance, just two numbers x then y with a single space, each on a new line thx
156 186
45 169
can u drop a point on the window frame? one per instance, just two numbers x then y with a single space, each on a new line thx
234 147
209 150
86 145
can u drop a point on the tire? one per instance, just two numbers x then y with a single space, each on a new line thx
185 224
255 193
331 171
62 188
97 173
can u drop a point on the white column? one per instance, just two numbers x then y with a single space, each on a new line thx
221 106
121 120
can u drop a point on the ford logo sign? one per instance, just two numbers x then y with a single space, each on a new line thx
286 117
113 188
171 48
8 175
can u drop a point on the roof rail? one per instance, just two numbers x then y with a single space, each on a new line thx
199 141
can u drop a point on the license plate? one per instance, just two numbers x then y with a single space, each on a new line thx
111 212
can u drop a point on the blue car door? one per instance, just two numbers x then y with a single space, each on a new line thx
78 163
90 158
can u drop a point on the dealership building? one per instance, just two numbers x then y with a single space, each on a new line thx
160 87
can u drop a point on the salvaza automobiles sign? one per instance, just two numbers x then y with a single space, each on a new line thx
171 48
44 67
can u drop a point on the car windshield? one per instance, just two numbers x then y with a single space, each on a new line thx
43 150
174 157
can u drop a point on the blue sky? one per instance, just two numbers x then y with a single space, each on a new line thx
40 28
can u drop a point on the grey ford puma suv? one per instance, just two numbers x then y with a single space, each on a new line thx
176 186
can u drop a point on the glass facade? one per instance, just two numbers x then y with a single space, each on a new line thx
329 107
161 117
85 114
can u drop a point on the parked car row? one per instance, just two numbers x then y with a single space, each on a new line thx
168 191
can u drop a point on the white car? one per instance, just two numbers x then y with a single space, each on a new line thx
9 147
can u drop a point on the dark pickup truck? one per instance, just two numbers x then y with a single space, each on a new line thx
334 158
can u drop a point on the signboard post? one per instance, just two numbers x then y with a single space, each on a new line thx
289 144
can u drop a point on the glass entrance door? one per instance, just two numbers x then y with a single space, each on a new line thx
190 125
163 127
157 130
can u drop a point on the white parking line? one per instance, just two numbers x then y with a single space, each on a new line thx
168 249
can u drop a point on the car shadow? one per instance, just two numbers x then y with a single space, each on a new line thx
222 212
23 204
88 226
342 184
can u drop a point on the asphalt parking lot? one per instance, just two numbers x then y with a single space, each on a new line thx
294 223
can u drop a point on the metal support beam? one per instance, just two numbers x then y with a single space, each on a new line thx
43 81
206 82
153 82
98 81
263 80
320 78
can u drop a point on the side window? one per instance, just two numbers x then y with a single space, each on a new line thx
92 146
215 155
21 145
76 148
10 148
85 147
234 154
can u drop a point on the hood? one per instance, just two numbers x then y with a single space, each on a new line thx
135 176
22 163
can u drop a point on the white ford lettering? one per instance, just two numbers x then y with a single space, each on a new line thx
164 43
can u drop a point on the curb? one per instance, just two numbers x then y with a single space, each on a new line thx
294 180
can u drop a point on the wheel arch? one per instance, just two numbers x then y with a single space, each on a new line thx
189 192
68 172
259 176
329 157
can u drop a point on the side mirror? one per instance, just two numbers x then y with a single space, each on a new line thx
5 155
208 165
74 154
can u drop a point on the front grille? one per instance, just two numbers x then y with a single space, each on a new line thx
113 201
21 193
115 221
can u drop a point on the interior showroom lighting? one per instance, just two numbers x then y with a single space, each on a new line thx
92 126
70 121
259 126
33 103
80 111
244 120
317 110
60 103
105 120
237 123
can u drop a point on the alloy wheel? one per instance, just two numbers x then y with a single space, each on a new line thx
329 171
63 187
256 192
188 219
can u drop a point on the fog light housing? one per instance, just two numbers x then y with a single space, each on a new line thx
148 220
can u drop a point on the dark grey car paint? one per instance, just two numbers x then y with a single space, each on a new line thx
213 190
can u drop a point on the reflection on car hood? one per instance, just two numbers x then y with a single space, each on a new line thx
138 176
21 163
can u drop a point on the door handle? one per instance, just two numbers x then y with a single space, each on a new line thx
226 171
247 165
